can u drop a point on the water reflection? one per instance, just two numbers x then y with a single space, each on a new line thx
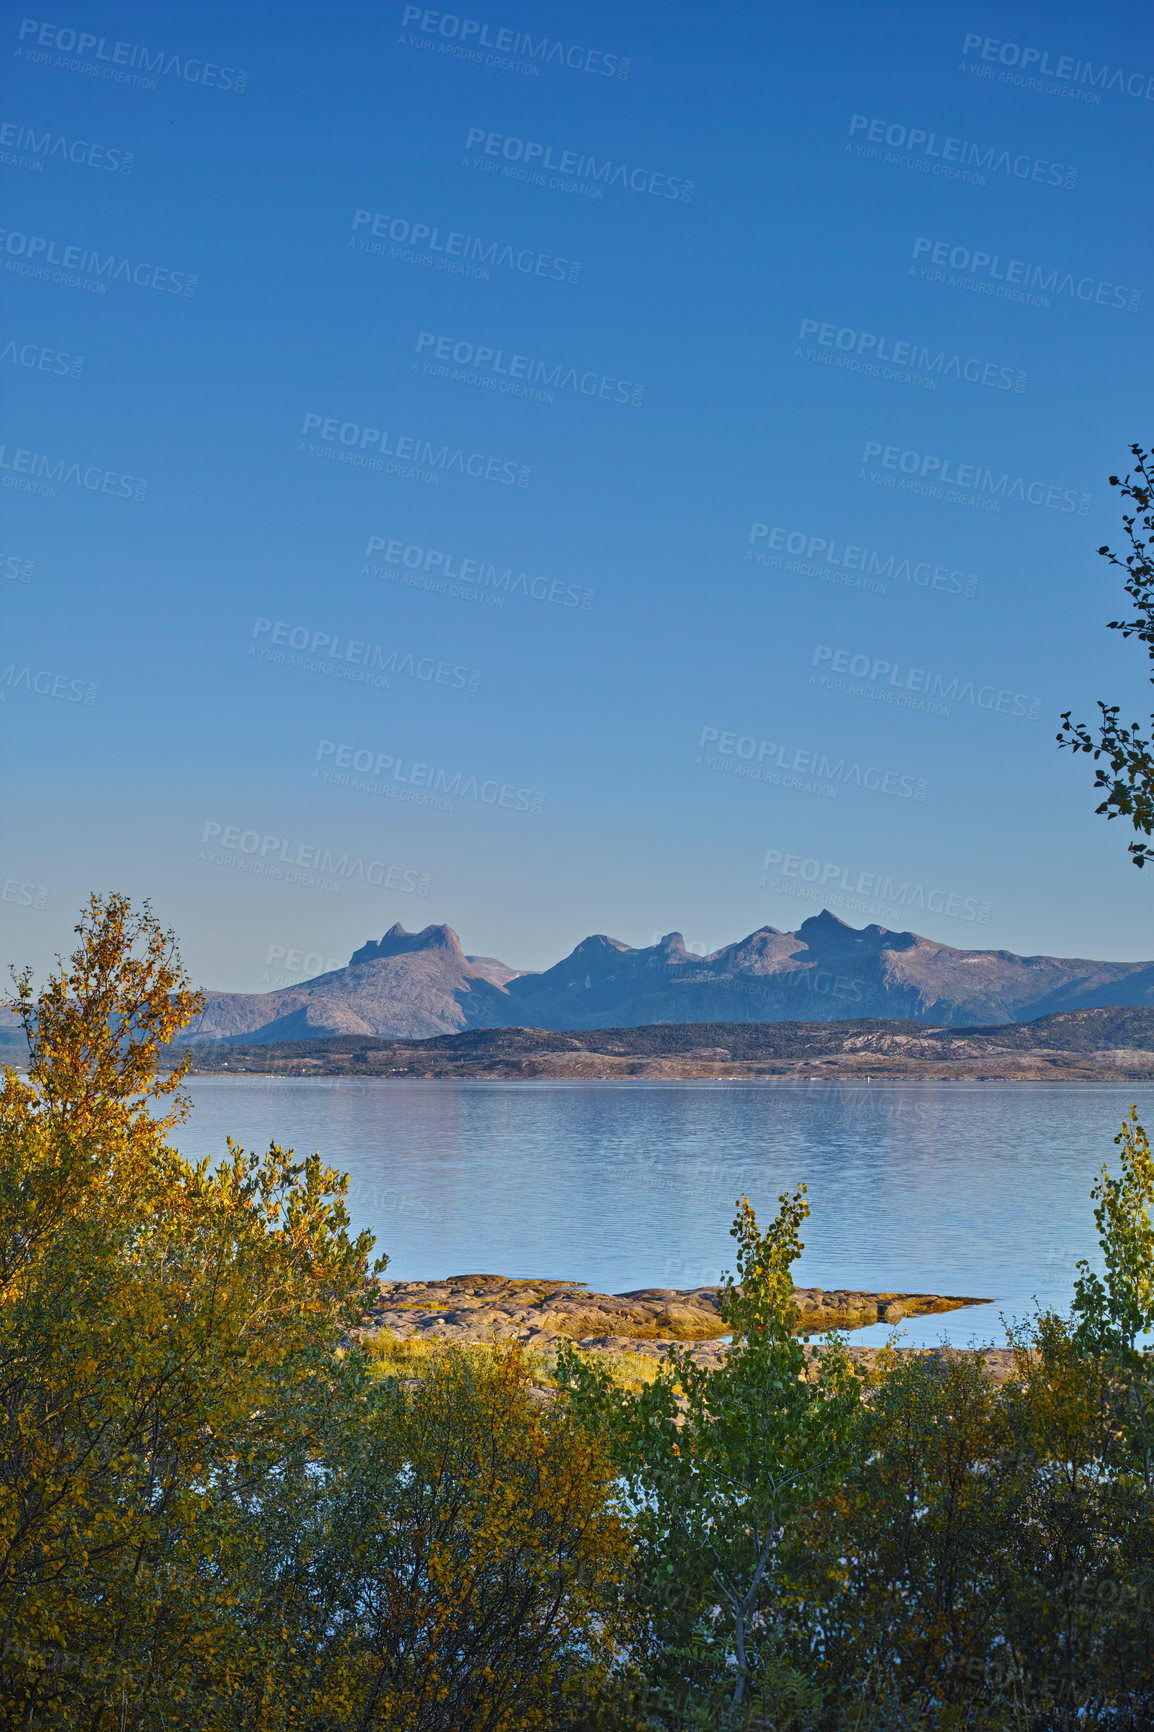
979 1189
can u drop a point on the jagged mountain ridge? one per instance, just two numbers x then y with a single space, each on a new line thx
416 985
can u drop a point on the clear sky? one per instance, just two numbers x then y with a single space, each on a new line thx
609 468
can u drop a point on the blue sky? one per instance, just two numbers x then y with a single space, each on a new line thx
615 469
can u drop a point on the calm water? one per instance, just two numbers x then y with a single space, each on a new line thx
977 1189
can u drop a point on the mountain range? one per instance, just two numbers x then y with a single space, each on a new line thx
415 985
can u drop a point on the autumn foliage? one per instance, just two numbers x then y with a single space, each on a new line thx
217 1511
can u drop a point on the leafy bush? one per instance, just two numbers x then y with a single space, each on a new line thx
218 1511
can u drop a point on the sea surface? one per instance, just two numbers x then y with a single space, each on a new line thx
977 1189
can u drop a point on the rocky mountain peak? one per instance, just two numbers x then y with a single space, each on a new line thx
398 942
824 932
827 971
599 944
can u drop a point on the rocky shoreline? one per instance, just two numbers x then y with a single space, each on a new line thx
1075 1046
464 1309
1121 1066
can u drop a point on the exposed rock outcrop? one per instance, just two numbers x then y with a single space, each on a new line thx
465 1308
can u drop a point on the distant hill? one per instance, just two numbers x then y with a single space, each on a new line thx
1116 1042
420 985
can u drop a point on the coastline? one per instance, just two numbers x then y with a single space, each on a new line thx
1102 1045
1058 1067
